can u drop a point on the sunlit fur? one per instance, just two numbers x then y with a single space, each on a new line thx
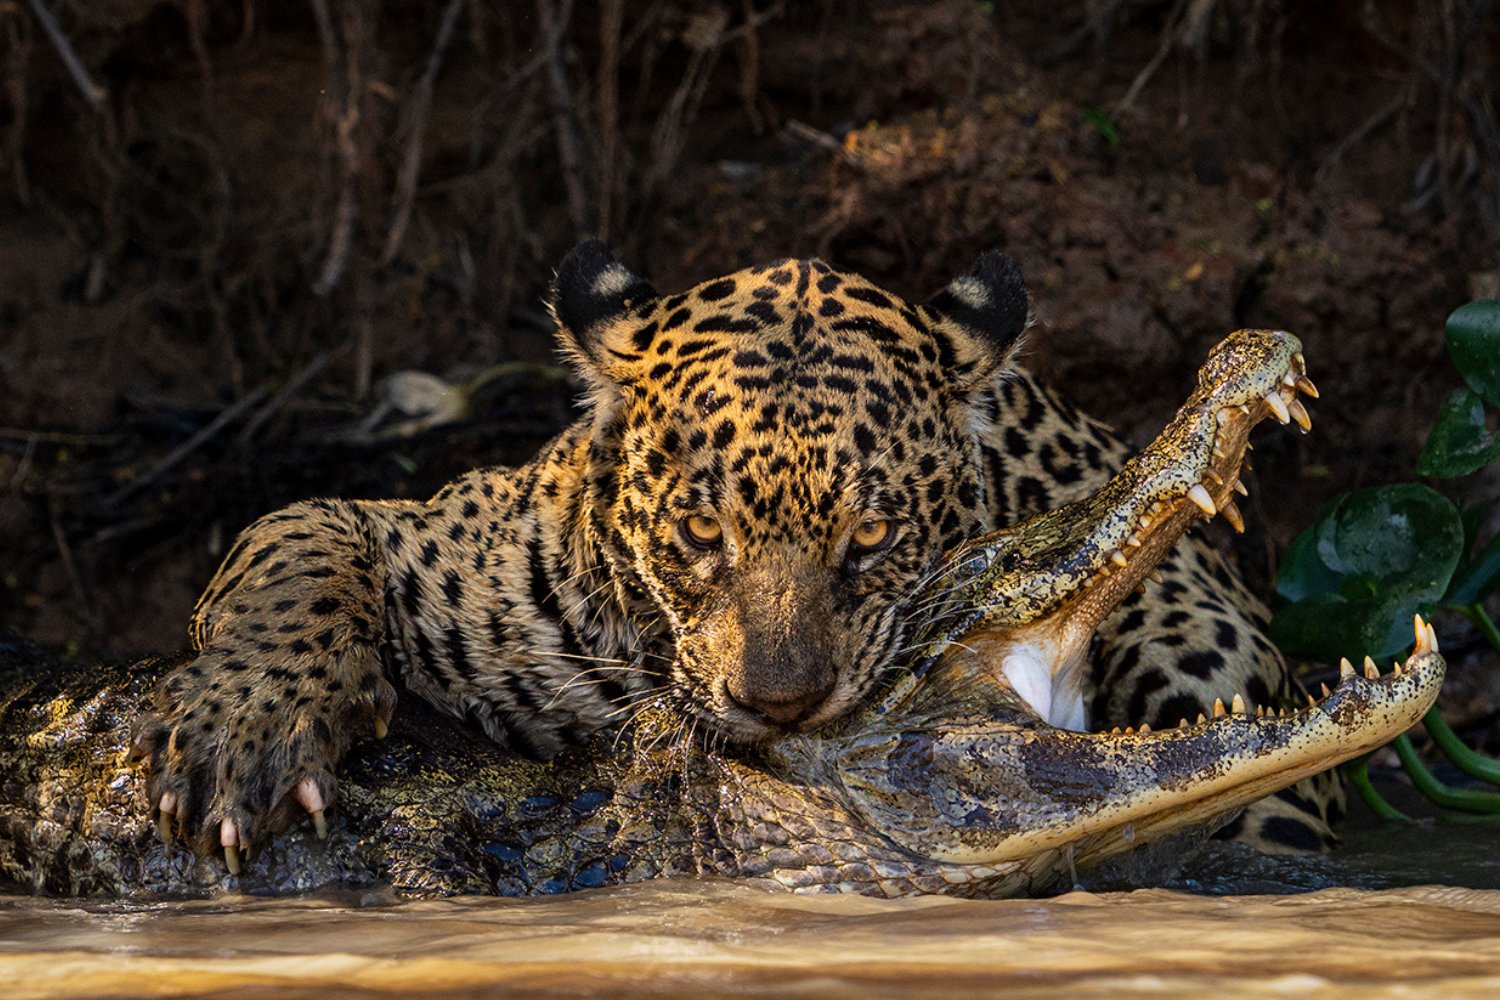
789 402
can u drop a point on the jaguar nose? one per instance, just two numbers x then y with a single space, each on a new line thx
784 707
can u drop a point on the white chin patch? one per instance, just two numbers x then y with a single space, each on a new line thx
1058 704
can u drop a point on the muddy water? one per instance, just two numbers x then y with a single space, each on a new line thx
1227 924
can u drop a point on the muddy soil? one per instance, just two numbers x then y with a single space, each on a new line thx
207 283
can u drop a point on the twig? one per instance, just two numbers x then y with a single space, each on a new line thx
406 184
17 43
345 123
192 444
1379 118
57 437
92 92
554 25
70 567
284 395
1168 38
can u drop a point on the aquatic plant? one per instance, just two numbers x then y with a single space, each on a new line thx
1375 557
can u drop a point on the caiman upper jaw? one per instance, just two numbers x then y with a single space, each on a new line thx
1043 586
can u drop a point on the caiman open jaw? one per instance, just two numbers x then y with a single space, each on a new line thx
964 764
1035 592
1008 795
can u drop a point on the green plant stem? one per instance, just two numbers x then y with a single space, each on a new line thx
1475 613
1471 761
1449 798
1358 772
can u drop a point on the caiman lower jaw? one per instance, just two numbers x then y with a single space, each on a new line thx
997 794
1066 581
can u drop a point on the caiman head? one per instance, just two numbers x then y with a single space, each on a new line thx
964 767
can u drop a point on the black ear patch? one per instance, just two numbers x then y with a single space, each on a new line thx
592 287
989 299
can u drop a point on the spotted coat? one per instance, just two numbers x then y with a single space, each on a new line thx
772 464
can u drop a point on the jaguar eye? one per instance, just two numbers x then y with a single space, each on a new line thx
702 531
873 534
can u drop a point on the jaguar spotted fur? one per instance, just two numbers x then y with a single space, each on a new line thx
772 465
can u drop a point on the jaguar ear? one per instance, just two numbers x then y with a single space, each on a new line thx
984 312
591 295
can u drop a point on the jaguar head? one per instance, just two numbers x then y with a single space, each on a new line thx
781 456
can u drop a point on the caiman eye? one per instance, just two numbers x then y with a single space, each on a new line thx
872 534
702 531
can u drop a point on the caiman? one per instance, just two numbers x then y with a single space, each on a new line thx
949 782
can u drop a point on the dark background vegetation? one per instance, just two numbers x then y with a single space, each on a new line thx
254 251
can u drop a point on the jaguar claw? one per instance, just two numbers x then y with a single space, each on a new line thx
312 800
167 809
229 839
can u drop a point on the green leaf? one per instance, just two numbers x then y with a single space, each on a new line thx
1104 125
1460 443
1479 576
1369 562
1474 344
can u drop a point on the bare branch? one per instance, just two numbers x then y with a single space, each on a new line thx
96 95
406 184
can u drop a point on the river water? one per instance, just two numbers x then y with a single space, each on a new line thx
1226 924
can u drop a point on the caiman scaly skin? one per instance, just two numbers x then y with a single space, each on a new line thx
951 781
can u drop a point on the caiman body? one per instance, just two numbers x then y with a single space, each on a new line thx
951 782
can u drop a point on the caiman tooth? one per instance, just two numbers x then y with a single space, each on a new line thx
1305 385
1231 512
1299 413
1145 728
1326 692
1200 497
1118 558
1183 723
1214 475
1396 667
1134 541
1346 669
1218 708
1129 731
1237 705
1371 670
1422 632
1432 638
1310 702
1154 575
1239 488
1289 377
1201 719
1277 406
1244 409
1260 711
1299 361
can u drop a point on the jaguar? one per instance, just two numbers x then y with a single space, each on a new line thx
743 523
